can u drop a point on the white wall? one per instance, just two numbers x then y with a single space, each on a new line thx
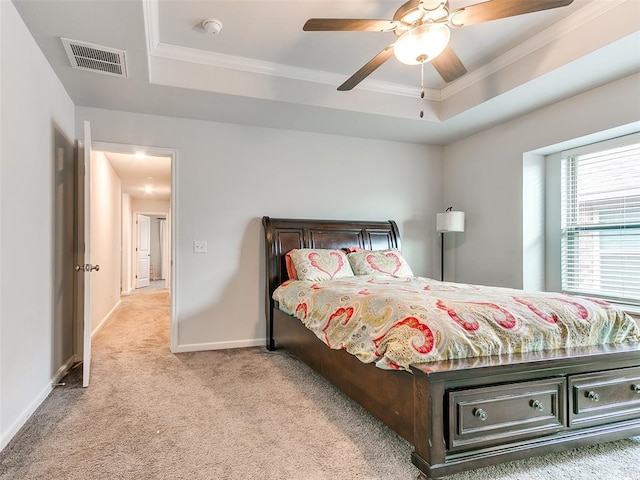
228 176
552 221
483 176
106 238
34 104
150 206
127 220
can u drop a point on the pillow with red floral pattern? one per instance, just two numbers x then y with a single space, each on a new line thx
380 263
319 264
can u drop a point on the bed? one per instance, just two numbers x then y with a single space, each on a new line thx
462 413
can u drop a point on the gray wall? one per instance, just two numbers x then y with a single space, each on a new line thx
34 107
228 176
483 176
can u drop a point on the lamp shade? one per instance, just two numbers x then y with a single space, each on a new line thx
450 221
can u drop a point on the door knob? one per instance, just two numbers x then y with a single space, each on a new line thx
87 267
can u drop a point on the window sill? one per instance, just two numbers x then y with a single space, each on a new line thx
633 310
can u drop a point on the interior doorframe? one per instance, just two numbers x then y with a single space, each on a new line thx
173 153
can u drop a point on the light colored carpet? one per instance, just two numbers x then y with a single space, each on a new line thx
231 414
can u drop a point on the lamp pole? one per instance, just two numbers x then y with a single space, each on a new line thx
442 256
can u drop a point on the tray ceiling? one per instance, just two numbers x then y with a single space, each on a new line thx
263 70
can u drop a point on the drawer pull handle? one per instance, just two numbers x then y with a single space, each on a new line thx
593 396
480 414
537 405
635 388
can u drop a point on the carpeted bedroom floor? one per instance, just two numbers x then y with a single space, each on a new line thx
231 414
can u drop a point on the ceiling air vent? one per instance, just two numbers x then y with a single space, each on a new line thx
95 58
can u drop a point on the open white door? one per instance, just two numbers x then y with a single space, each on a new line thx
86 336
83 265
143 250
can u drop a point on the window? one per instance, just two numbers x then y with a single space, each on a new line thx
600 217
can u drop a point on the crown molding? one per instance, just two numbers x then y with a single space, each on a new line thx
155 48
250 65
151 27
547 36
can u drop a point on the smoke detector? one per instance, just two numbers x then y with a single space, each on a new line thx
212 25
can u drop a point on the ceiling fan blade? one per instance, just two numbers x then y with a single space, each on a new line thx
449 65
496 9
348 24
368 69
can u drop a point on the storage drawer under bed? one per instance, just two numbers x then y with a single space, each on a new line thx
603 397
497 414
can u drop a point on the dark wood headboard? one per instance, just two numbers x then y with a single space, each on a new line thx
284 234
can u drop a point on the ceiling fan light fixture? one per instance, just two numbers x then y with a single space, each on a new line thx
412 16
422 43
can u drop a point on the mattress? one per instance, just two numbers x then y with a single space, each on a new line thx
396 322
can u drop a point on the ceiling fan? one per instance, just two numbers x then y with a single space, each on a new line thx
423 31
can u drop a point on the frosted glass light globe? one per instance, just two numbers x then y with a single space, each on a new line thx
422 43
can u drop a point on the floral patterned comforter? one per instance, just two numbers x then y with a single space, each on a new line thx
396 322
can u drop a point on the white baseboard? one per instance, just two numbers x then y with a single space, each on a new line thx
198 347
106 318
35 403
24 416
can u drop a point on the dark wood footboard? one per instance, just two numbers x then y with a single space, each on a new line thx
477 412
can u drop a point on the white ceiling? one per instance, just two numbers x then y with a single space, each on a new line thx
142 176
263 70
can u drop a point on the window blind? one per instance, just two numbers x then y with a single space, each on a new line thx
600 217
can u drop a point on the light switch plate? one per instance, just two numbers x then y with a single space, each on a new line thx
200 246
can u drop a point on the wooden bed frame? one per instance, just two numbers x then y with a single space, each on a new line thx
464 414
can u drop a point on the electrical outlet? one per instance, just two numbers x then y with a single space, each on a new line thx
200 246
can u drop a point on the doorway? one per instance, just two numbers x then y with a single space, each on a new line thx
158 251
129 181
152 245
